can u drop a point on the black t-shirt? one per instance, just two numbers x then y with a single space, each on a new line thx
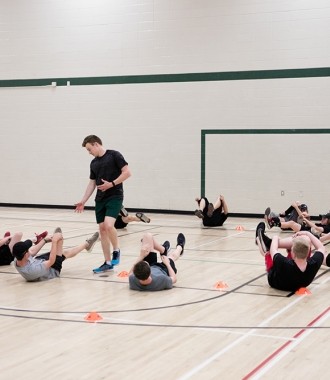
108 167
285 274
326 227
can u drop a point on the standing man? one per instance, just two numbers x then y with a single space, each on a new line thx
108 171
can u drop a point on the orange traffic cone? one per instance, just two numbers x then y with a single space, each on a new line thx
93 316
303 291
240 228
122 274
220 285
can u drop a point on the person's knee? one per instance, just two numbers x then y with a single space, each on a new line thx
105 229
17 236
147 242
203 202
102 228
147 236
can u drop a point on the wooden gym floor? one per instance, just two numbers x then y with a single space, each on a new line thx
221 321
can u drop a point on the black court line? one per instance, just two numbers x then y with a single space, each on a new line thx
149 226
262 294
221 295
226 292
164 325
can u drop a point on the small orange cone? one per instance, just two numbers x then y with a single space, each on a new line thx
122 274
220 285
240 228
303 291
93 316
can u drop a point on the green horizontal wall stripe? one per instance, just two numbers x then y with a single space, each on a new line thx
205 132
168 78
263 131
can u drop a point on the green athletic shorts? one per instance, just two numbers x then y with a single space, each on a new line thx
107 207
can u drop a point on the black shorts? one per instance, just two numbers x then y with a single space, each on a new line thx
217 219
58 261
327 260
152 260
164 267
5 255
119 224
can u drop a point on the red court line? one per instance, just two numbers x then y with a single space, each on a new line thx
269 358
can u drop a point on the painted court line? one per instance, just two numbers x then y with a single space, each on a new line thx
282 351
238 341
215 240
235 343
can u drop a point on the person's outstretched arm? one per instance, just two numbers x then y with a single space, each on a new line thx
56 247
171 272
274 246
318 245
89 191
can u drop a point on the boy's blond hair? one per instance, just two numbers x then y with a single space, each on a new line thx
301 247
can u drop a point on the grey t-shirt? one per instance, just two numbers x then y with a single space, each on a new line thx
160 281
35 270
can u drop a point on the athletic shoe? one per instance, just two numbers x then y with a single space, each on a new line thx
267 218
142 217
57 230
262 243
265 241
40 237
210 209
123 211
271 220
181 241
260 226
167 247
115 257
91 242
261 246
199 214
103 268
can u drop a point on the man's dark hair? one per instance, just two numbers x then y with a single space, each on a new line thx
91 139
141 270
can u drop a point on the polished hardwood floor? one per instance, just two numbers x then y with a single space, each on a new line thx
221 321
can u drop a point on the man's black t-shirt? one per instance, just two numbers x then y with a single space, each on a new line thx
285 274
108 167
